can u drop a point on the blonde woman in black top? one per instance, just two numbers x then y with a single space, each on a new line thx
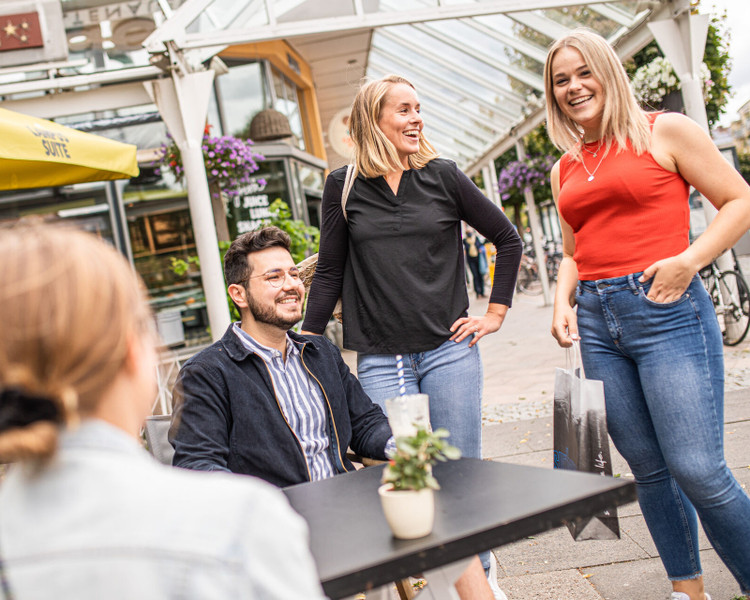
397 260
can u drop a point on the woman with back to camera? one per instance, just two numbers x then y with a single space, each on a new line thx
646 325
86 513
397 260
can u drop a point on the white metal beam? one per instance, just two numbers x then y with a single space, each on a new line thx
530 123
58 84
543 25
52 106
613 13
516 43
173 28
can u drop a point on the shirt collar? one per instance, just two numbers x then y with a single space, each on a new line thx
266 353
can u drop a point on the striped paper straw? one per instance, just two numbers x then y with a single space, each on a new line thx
400 368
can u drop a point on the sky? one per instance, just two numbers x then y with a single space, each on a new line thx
738 20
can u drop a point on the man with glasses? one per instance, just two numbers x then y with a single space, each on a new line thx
263 400
268 402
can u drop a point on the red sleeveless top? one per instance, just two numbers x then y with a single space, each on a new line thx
631 214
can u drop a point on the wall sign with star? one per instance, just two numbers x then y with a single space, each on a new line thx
20 31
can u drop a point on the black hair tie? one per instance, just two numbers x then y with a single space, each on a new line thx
19 408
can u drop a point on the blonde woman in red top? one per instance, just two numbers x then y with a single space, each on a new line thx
628 290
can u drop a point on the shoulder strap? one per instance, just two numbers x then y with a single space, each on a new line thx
351 176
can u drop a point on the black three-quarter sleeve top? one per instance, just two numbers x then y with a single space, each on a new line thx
398 261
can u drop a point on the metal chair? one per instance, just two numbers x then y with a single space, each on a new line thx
157 428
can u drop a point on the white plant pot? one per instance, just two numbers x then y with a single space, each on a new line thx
409 514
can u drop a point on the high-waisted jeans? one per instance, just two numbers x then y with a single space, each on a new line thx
663 372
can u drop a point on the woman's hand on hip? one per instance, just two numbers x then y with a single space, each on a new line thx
565 325
479 326
671 277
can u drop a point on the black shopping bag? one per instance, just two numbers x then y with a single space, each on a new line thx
581 442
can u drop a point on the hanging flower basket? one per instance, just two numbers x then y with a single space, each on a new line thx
230 162
518 175
655 84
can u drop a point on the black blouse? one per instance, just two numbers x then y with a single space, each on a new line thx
400 258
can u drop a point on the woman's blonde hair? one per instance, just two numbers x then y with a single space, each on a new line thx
68 305
374 154
622 120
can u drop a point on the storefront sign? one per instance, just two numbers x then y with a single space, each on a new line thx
117 11
20 31
251 207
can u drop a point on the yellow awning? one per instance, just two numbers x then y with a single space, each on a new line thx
39 153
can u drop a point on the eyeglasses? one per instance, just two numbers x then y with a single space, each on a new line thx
277 277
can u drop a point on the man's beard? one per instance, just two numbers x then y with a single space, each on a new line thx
268 314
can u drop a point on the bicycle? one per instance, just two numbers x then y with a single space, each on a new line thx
730 296
528 281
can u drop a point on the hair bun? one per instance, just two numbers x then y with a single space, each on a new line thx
19 408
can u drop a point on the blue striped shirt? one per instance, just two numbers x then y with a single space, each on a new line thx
301 401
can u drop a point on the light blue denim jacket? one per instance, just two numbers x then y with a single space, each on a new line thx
104 520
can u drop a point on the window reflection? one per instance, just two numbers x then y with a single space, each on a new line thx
287 103
242 94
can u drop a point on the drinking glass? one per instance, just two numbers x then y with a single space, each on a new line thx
408 413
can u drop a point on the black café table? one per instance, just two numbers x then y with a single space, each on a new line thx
481 505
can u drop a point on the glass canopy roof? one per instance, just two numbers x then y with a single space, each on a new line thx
477 66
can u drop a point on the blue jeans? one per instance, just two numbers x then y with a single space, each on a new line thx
663 372
451 375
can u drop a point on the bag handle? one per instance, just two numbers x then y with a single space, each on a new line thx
351 176
573 358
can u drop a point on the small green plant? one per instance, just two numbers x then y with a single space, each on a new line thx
180 266
305 238
410 466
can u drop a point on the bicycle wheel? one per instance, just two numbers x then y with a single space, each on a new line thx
553 266
731 298
528 282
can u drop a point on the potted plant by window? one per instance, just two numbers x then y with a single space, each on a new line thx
407 493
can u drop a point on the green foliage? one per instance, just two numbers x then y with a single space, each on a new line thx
410 467
305 238
181 266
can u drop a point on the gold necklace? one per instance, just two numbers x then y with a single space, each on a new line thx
594 152
591 173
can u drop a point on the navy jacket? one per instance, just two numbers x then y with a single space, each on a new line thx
227 417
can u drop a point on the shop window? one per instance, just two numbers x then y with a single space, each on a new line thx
82 206
242 94
286 101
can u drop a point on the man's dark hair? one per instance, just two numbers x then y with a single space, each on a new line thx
236 268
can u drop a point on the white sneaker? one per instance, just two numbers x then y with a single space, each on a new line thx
682 596
492 579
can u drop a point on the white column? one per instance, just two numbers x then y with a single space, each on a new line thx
536 231
182 101
490 182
